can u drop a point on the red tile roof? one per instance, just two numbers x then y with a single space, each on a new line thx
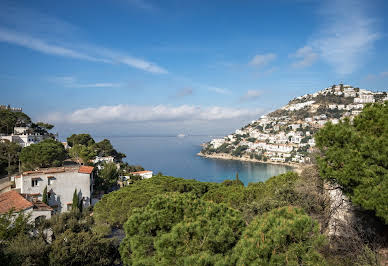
13 200
85 169
41 206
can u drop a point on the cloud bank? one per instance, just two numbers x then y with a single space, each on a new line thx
157 113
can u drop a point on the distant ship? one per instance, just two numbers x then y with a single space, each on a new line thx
181 135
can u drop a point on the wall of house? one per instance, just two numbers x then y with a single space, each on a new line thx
61 189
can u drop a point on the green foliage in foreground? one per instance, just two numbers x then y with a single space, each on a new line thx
47 153
282 236
73 241
355 156
177 229
115 208
257 198
83 248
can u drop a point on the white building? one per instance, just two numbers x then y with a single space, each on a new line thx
107 159
279 148
12 200
23 137
217 142
365 98
61 182
142 174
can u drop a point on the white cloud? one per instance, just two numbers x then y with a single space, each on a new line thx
72 82
305 55
41 46
219 90
262 59
251 95
346 37
158 113
95 55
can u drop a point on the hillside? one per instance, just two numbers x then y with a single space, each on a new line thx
286 135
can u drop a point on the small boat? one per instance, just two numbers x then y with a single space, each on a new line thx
181 135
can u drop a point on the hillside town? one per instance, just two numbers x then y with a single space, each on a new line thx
286 136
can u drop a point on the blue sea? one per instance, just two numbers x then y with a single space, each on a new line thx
177 156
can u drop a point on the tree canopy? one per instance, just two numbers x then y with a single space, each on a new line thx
107 177
355 156
82 139
85 148
174 228
282 236
10 119
9 157
47 153
115 208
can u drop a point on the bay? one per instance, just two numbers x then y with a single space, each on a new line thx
177 156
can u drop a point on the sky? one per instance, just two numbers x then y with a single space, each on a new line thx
147 67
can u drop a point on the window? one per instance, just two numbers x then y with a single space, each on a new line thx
50 180
69 206
34 182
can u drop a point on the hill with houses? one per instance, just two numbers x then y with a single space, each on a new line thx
286 136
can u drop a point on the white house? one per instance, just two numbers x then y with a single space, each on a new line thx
23 137
107 159
61 182
365 98
217 142
143 174
14 201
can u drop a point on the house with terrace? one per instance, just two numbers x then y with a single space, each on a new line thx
61 182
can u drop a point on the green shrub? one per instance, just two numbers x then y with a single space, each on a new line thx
175 228
282 236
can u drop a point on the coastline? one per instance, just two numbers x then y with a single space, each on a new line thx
224 156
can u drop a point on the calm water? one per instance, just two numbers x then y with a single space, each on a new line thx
177 157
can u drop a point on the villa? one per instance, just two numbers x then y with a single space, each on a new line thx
61 182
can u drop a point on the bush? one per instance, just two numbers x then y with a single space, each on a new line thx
47 153
115 208
176 228
355 156
282 236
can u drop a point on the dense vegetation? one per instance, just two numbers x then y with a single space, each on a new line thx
355 157
47 153
73 242
85 149
10 119
9 157
203 222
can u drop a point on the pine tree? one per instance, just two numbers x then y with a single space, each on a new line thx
74 206
45 199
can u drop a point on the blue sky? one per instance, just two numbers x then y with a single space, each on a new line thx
129 67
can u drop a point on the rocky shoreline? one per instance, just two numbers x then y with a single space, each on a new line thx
298 168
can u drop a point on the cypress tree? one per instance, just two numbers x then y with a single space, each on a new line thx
74 206
45 199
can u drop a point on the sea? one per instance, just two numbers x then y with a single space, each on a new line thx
177 156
